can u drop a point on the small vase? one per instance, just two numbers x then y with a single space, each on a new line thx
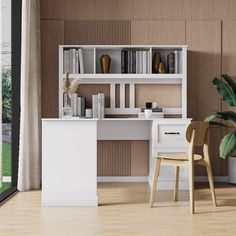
105 61
156 62
161 68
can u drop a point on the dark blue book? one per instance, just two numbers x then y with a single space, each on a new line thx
83 106
133 62
124 61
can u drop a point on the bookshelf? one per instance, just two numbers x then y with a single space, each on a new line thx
93 75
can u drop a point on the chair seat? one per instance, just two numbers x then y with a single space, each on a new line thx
180 157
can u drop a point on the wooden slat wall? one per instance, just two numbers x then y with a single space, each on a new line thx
150 21
204 63
52 35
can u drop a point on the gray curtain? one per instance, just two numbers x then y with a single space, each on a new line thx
29 173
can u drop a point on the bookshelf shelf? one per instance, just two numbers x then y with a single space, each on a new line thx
92 73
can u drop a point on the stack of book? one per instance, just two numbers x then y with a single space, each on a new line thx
98 105
156 113
135 62
174 62
73 61
77 104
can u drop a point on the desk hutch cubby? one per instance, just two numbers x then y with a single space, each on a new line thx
126 93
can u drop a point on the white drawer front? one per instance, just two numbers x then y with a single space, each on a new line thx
170 135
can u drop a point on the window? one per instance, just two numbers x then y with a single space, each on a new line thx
10 25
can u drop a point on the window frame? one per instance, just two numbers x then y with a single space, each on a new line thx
16 10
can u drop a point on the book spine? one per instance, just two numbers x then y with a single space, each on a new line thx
137 62
176 62
133 62
147 63
74 104
101 105
171 63
71 61
129 62
141 62
81 61
144 62
79 106
76 62
83 106
95 106
180 62
65 61
123 52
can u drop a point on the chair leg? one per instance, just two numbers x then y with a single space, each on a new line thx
154 184
191 188
176 183
211 183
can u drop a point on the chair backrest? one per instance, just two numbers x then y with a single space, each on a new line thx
201 133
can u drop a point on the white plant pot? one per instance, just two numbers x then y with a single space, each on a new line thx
232 169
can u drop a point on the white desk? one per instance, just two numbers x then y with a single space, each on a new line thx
69 153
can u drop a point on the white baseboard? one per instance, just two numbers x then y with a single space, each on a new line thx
164 183
120 179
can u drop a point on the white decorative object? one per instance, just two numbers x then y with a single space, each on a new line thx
74 105
101 105
67 112
154 105
148 113
88 113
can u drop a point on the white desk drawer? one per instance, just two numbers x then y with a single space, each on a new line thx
170 135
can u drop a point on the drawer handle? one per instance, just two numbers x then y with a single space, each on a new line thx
172 133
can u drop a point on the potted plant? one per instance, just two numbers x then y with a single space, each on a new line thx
227 90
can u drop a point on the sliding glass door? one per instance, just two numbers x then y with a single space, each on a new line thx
9 93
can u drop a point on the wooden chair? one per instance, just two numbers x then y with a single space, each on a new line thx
197 134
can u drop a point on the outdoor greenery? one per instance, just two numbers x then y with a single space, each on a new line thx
227 90
6 95
6 164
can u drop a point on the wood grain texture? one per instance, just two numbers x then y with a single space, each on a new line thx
52 9
114 158
157 93
52 35
123 210
204 63
97 32
80 9
87 90
158 32
139 158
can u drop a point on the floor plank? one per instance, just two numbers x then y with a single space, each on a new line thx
123 210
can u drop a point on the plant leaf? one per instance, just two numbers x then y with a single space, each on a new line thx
211 117
216 123
225 91
227 115
230 82
228 144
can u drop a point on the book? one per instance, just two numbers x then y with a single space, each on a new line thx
176 61
74 104
157 109
141 62
83 106
148 63
95 106
76 62
144 62
124 61
133 62
79 106
171 63
81 61
101 105
66 61
129 61
153 115
137 62
71 61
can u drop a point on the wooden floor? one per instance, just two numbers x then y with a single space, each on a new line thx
123 210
